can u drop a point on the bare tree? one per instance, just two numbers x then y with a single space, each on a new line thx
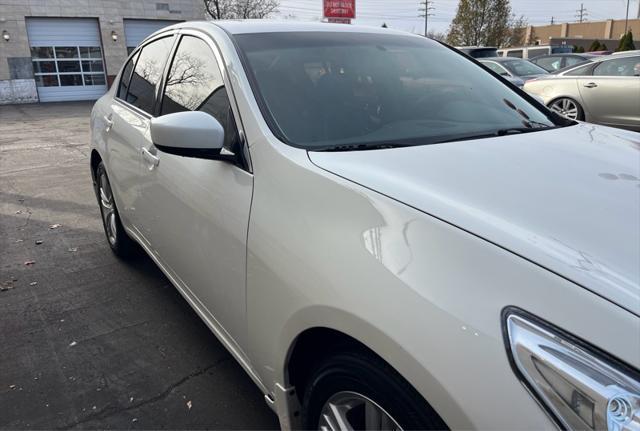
437 35
480 23
240 9
516 34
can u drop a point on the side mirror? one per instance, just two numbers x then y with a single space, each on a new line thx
189 134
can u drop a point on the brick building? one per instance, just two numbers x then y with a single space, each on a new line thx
55 50
582 34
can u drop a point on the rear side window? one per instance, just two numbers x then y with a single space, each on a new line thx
194 83
147 74
580 71
534 52
495 67
549 63
570 61
515 53
126 77
618 67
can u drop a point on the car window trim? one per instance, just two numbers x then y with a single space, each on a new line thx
246 164
133 66
168 33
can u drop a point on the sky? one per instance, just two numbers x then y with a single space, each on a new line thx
403 14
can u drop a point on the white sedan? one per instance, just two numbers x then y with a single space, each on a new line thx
381 232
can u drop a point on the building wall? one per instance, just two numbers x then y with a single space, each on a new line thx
15 54
610 30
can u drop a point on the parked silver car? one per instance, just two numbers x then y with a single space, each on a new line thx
606 91
514 68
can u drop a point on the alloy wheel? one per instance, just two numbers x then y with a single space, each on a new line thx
108 209
566 107
348 410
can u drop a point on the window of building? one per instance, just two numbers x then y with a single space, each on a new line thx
147 74
60 66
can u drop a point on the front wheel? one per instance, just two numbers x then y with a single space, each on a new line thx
356 390
568 108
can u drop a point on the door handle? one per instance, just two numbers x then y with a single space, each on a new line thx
150 158
591 85
109 123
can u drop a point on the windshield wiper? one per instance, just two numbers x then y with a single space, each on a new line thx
363 147
493 134
511 130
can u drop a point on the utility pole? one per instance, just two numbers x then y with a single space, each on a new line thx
427 7
626 19
581 13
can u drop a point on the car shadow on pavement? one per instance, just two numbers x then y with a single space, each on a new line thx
89 341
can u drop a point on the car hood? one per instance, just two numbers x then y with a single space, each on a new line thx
567 199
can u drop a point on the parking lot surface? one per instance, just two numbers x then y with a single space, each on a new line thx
86 340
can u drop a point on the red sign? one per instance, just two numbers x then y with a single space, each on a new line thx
339 20
339 8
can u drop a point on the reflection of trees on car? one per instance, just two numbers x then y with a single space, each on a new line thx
187 70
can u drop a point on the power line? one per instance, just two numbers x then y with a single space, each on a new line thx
581 13
427 7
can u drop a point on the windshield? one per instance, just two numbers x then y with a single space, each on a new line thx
523 68
322 90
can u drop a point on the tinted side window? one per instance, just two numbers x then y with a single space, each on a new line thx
570 61
125 77
549 63
618 67
194 83
580 71
147 74
517 53
495 67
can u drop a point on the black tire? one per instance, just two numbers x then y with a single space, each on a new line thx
358 370
117 238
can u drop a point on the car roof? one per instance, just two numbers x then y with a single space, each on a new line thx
635 51
599 58
501 59
249 26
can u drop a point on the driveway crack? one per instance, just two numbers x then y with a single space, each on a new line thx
111 410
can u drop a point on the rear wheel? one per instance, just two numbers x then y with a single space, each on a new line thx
568 108
119 241
356 390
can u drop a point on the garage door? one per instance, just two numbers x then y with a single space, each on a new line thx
67 58
136 30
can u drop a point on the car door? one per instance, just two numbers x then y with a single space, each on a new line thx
197 209
612 94
128 124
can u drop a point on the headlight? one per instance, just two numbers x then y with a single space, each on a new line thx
580 386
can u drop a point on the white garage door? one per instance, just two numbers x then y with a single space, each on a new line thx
136 30
67 58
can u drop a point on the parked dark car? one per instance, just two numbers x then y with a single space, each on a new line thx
478 52
514 67
555 62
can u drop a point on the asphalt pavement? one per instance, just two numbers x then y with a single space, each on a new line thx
86 340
